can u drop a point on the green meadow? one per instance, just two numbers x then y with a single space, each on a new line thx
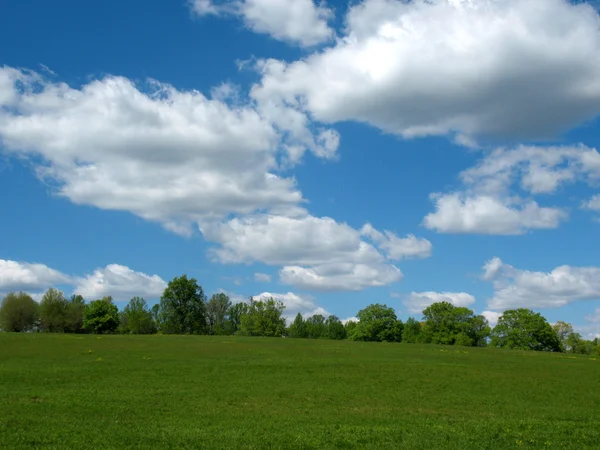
183 392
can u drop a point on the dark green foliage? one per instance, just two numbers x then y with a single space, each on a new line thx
447 324
101 317
74 316
136 318
18 312
335 328
216 311
263 318
315 327
298 327
525 330
54 311
234 317
412 332
377 323
183 307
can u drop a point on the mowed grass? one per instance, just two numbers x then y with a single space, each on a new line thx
69 391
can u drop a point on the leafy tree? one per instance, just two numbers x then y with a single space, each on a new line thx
183 307
315 326
216 311
74 314
18 312
53 311
412 332
156 316
335 328
447 324
263 319
378 323
136 318
563 330
526 330
298 327
101 316
350 326
234 317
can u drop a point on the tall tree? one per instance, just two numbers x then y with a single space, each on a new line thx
53 311
136 318
378 323
335 328
563 330
183 307
298 327
412 332
18 312
526 330
315 326
264 318
74 318
234 317
216 312
445 323
100 317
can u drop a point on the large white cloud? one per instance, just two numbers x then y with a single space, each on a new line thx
516 288
488 203
501 68
317 253
298 21
22 276
165 155
416 302
120 282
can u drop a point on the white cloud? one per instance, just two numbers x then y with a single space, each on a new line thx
349 319
169 156
295 304
492 317
593 203
487 205
317 253
120 282
416 302
501 68
397 248
298 21
21 276
516 288
262 277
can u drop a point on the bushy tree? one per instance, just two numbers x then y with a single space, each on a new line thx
447 324
183 307
234 317
412 331
263 318
563 330
136 318
335 328
350 326
298 327
525 330
74 315
216 311
315 326
101 316
378 323
18 312
53 311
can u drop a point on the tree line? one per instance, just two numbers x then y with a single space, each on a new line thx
184 309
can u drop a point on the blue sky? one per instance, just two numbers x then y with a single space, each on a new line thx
331 155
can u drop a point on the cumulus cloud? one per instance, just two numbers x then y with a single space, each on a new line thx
397 248
22 276
262 277
120 282
488 204
492 317
425 67
416 302
593 203
317 253
516 288
166 155
294 304
300 22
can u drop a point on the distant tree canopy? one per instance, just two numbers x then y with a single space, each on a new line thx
184 309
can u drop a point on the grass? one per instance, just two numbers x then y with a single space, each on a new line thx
69 391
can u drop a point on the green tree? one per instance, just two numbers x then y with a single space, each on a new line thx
350 326
53 311
156 315
378 323
315 326
18 312
136 318
298 327
447 324
264 318
101 317
216 311
525 330
335 328
563 330
412 332
183 307
74 314
234 317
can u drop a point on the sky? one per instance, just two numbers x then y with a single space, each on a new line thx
330 155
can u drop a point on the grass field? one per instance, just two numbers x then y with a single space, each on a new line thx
70 391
